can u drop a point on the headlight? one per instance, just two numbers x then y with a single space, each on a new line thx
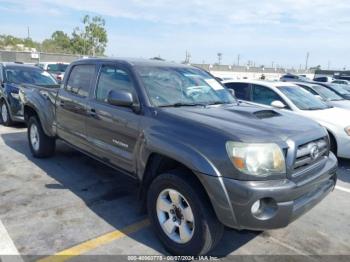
347 130
256 159
14 95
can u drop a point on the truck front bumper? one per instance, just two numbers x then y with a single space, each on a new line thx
262 205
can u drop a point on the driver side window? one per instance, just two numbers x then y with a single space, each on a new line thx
264 95
113 78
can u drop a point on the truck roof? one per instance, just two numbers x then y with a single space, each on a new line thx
133 62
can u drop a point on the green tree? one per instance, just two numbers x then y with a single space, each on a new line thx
94 35
78 44
90 40
61 40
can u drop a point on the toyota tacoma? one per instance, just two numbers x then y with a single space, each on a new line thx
202 159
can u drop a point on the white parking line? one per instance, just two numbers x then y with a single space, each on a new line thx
8 250
347 190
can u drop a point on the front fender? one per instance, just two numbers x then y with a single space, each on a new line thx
175 149
43 103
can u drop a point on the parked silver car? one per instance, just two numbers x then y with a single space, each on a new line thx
325 94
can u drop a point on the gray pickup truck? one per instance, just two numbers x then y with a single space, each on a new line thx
202 159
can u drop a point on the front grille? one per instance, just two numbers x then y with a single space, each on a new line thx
311 152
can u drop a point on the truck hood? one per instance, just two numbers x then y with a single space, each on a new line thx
248 122
337 117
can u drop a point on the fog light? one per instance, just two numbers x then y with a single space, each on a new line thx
264 208
256 206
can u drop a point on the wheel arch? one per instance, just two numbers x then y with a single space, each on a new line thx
158 164
29 111
332 138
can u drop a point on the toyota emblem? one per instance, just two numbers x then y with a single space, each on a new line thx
314 152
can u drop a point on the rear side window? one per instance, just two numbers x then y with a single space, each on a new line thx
290 77
264 95
241 90
309 89
80 78
113 78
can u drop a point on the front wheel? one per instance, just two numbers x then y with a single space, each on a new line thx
182 215
5 114
40 144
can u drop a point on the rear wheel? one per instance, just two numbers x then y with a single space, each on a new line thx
40 144
182 215
5 114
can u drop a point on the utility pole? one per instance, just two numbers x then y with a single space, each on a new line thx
307 60
28 32
329 64
187 57
219 58
238 59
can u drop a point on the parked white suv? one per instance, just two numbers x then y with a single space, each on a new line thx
56 69
288 96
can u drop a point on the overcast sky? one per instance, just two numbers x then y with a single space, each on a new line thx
263 31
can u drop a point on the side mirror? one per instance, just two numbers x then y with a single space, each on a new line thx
319 97
120 98
232 92
278 104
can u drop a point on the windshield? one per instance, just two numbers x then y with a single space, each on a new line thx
181 86
302 98
27 75
326 93
57 68
341 89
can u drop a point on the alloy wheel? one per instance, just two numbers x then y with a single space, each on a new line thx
175 216
34 137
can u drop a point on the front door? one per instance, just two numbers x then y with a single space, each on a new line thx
112 130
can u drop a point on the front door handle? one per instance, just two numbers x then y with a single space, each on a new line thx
92 112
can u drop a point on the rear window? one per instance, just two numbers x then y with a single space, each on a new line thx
59 68
80 80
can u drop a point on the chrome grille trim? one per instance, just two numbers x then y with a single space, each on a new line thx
304 155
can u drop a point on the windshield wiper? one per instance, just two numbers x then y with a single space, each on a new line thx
217 103
182 104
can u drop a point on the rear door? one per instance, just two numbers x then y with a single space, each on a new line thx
113 131
71 104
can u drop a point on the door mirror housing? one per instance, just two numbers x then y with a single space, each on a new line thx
120 98
278 104
319 97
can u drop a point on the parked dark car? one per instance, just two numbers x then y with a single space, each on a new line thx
202 159
13 78
293 78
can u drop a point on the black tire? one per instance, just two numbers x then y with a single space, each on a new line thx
207 230
46 145
333 144
8 121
